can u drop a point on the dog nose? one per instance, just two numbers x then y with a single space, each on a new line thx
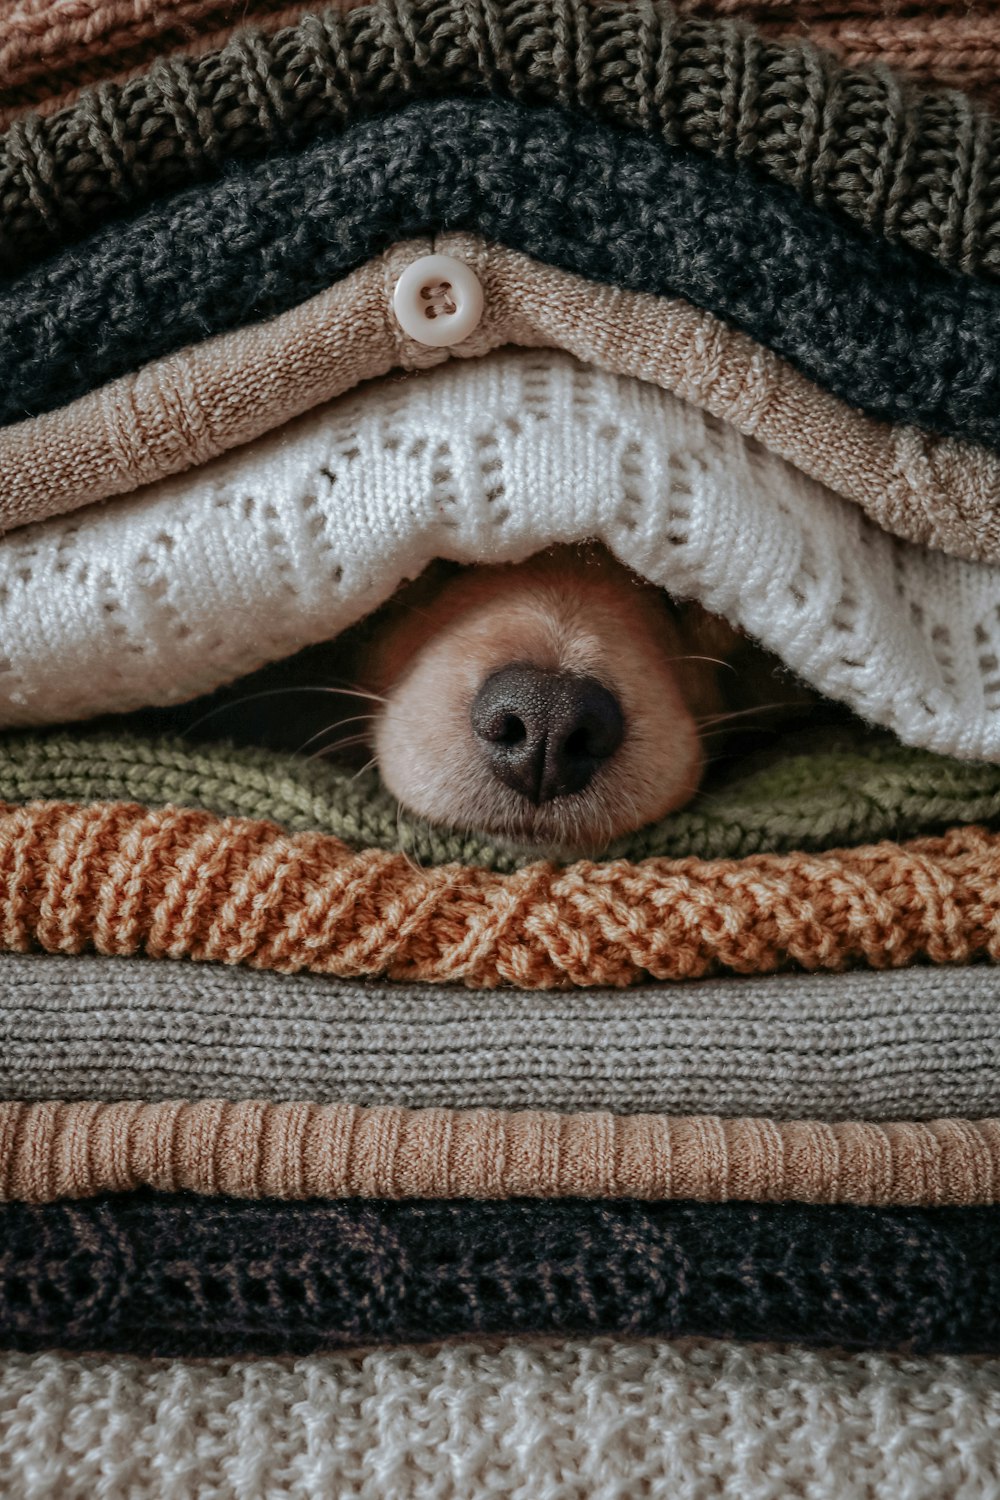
546 733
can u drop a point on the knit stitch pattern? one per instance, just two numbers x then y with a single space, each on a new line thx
119 879
813 791
915 1043
174 1275
920 167
194 583
882 327
184 409
521 1420
51 1151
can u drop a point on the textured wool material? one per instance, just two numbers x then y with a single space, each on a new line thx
816 790
833 134
50 52
913 1043
188 407
152 1274
520 1419
52 1151
120 879
198 580
881 326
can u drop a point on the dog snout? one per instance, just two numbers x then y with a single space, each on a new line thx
546 733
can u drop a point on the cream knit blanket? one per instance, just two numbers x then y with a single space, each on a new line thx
201 578
596 1419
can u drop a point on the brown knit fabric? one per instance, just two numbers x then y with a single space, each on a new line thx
50 49
175 883
257 1150
182 410
919 167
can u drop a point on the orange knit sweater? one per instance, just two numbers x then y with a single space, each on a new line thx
176 883
252 1150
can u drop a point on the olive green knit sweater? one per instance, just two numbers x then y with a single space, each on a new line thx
911 165
848 788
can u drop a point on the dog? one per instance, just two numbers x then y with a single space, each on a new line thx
556 703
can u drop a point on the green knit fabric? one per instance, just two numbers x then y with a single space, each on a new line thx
917 166
845 788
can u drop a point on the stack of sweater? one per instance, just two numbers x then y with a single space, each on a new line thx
341 1154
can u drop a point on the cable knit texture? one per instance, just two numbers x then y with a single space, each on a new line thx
120 879
812 791
53 1151
147 1274
186 408
197 581
524 1419
920 167
914 1043
882 327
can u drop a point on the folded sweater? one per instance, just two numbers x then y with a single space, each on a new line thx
810 790
520 1418
185 408
881 326
916 1043
53 1151
144 1274
198 580
831 133
121 879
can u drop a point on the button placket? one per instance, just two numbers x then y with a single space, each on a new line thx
438 300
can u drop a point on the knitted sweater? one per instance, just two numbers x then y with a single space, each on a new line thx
812 791
171 1275
524 1418
197 581
834 134
49 51
50 1152
183 409
914 1043
119 879
880 326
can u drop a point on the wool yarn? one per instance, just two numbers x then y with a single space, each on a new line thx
186 408
522 1418
197 581
810 792
699 84
53 1151
167 1275
879 325
121 880
915 1043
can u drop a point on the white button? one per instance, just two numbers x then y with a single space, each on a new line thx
438 300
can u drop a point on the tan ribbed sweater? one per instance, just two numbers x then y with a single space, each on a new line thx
253 1150
216 395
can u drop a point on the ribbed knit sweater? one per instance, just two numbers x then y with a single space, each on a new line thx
878 325
903 1044
814 790
149 1275
919 167
50 1152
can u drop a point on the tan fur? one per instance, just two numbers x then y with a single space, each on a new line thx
570 609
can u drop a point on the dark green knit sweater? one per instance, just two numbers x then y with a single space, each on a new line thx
920 167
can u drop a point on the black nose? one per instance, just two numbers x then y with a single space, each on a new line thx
546 733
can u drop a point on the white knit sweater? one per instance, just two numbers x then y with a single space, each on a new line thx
197 580
582 1420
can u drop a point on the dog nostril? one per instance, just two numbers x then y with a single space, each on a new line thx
545 734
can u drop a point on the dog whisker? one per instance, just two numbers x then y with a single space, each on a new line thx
337 724
235 703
